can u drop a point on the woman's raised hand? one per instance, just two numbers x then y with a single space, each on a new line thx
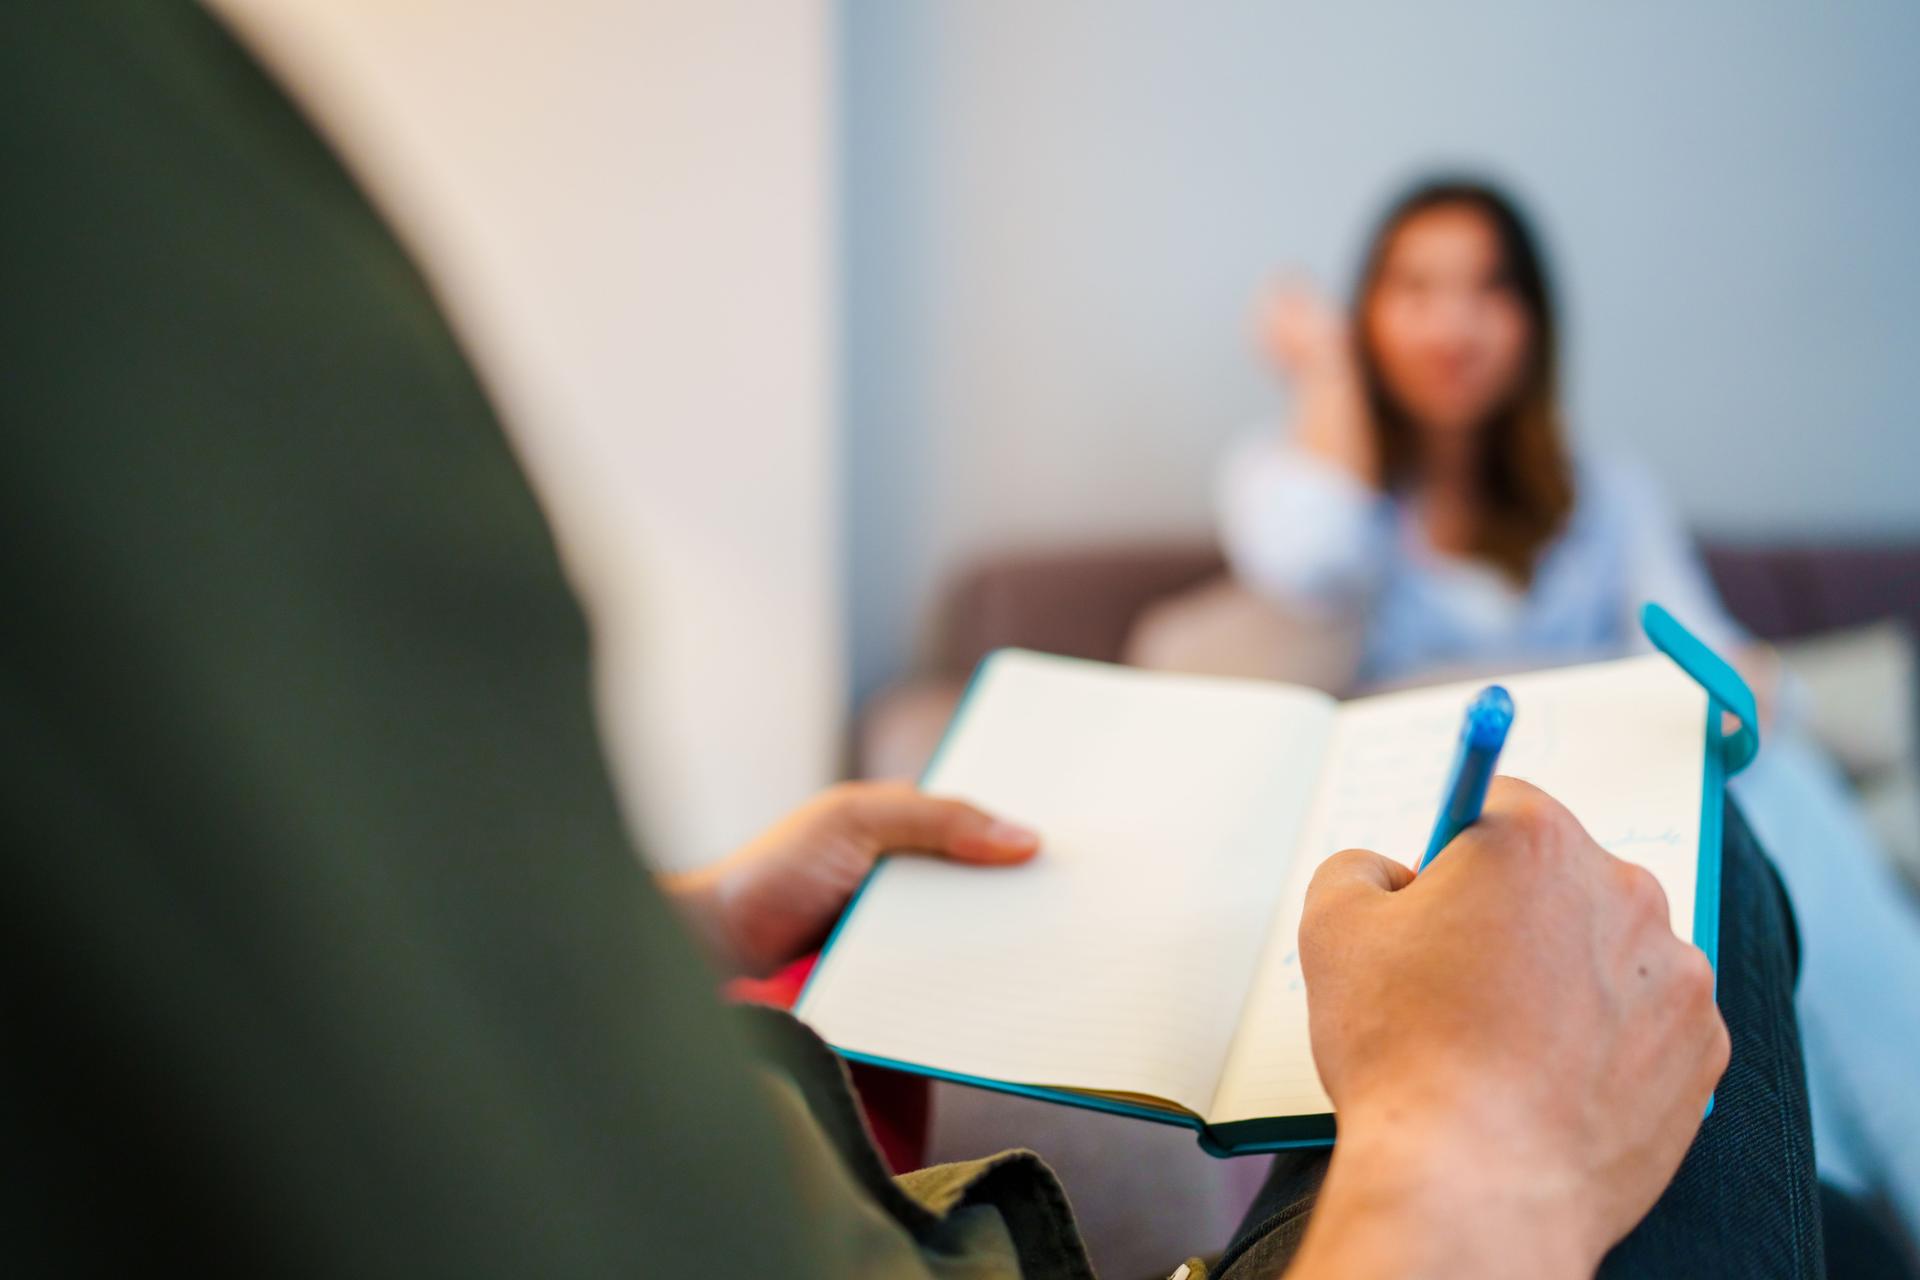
1310 343
1301 332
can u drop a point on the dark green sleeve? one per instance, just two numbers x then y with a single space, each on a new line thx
325 950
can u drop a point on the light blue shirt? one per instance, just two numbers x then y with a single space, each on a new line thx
1308 534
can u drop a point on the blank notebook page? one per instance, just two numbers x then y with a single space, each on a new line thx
1119 959
1620 744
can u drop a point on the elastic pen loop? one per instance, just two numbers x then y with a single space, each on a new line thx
1716 675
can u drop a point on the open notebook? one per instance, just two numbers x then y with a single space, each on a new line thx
1144 963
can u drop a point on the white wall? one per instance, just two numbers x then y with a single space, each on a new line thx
628 207
1057 213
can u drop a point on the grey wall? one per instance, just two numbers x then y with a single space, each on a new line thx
1056 212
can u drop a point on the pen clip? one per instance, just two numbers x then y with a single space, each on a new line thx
1725 689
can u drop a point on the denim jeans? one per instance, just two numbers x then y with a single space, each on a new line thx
1745 1201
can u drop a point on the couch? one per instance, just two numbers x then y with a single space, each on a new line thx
1085 603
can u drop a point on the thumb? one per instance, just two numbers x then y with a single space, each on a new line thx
1355 875
897 817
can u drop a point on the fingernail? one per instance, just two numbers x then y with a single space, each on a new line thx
1012 833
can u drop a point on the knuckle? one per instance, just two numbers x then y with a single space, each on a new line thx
1719 1047
847 798
1539 824
1688 981
1643 890
845 793
1696 976
865 809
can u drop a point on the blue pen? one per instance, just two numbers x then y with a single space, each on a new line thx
1489 716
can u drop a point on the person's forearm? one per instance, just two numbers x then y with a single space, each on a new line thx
1397 1206
1297 529
1331 420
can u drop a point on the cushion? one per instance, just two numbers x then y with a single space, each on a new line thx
1220 628
1862 703
1862 695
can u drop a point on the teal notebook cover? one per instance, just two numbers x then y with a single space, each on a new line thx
1725 753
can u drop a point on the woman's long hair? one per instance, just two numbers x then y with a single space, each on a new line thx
1526 478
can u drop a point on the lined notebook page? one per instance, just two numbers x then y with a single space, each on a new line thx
1120 958
1619 743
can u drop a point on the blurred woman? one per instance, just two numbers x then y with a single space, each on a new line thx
1426 481
1425 488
